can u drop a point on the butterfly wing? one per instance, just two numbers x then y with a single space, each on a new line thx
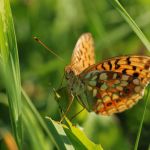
116 84
136 66
112 92
83 54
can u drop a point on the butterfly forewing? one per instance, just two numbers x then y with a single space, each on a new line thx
83 54
136 66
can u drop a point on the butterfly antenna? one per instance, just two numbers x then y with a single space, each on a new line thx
44 45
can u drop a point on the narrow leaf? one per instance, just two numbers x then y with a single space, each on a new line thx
59 134
10 68
131 22
79 139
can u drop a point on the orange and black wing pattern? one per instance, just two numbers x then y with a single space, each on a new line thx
136 66
116 84
83 54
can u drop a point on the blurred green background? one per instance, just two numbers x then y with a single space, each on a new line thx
59 23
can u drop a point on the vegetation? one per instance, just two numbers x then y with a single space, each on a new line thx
30 75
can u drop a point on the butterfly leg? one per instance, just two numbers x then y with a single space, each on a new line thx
71 98
77 114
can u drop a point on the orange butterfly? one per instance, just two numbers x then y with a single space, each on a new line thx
108 87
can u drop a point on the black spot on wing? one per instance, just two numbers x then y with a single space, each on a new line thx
134 67
117 66
103 67
135 75
128 61
124 71
110 65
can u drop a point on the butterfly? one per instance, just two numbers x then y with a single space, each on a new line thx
111 86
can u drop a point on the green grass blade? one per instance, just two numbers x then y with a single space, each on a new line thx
79 139
54 132
10 67
71 136
60 135
142 120
131 22
36 137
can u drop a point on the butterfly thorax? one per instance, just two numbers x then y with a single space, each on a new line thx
78 87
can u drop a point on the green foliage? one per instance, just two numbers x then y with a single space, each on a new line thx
141 124
29 117
72 136
10 68
131 22
59 24
79 139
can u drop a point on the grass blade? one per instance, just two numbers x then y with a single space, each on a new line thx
131 22
142 120
10 67
78 138
60 135
36 137
54 132
71 136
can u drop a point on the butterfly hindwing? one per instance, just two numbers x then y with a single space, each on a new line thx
112 92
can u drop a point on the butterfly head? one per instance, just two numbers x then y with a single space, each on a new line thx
69 73
71 79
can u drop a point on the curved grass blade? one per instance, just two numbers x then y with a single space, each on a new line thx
54 131
142 120
131 22
38 140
